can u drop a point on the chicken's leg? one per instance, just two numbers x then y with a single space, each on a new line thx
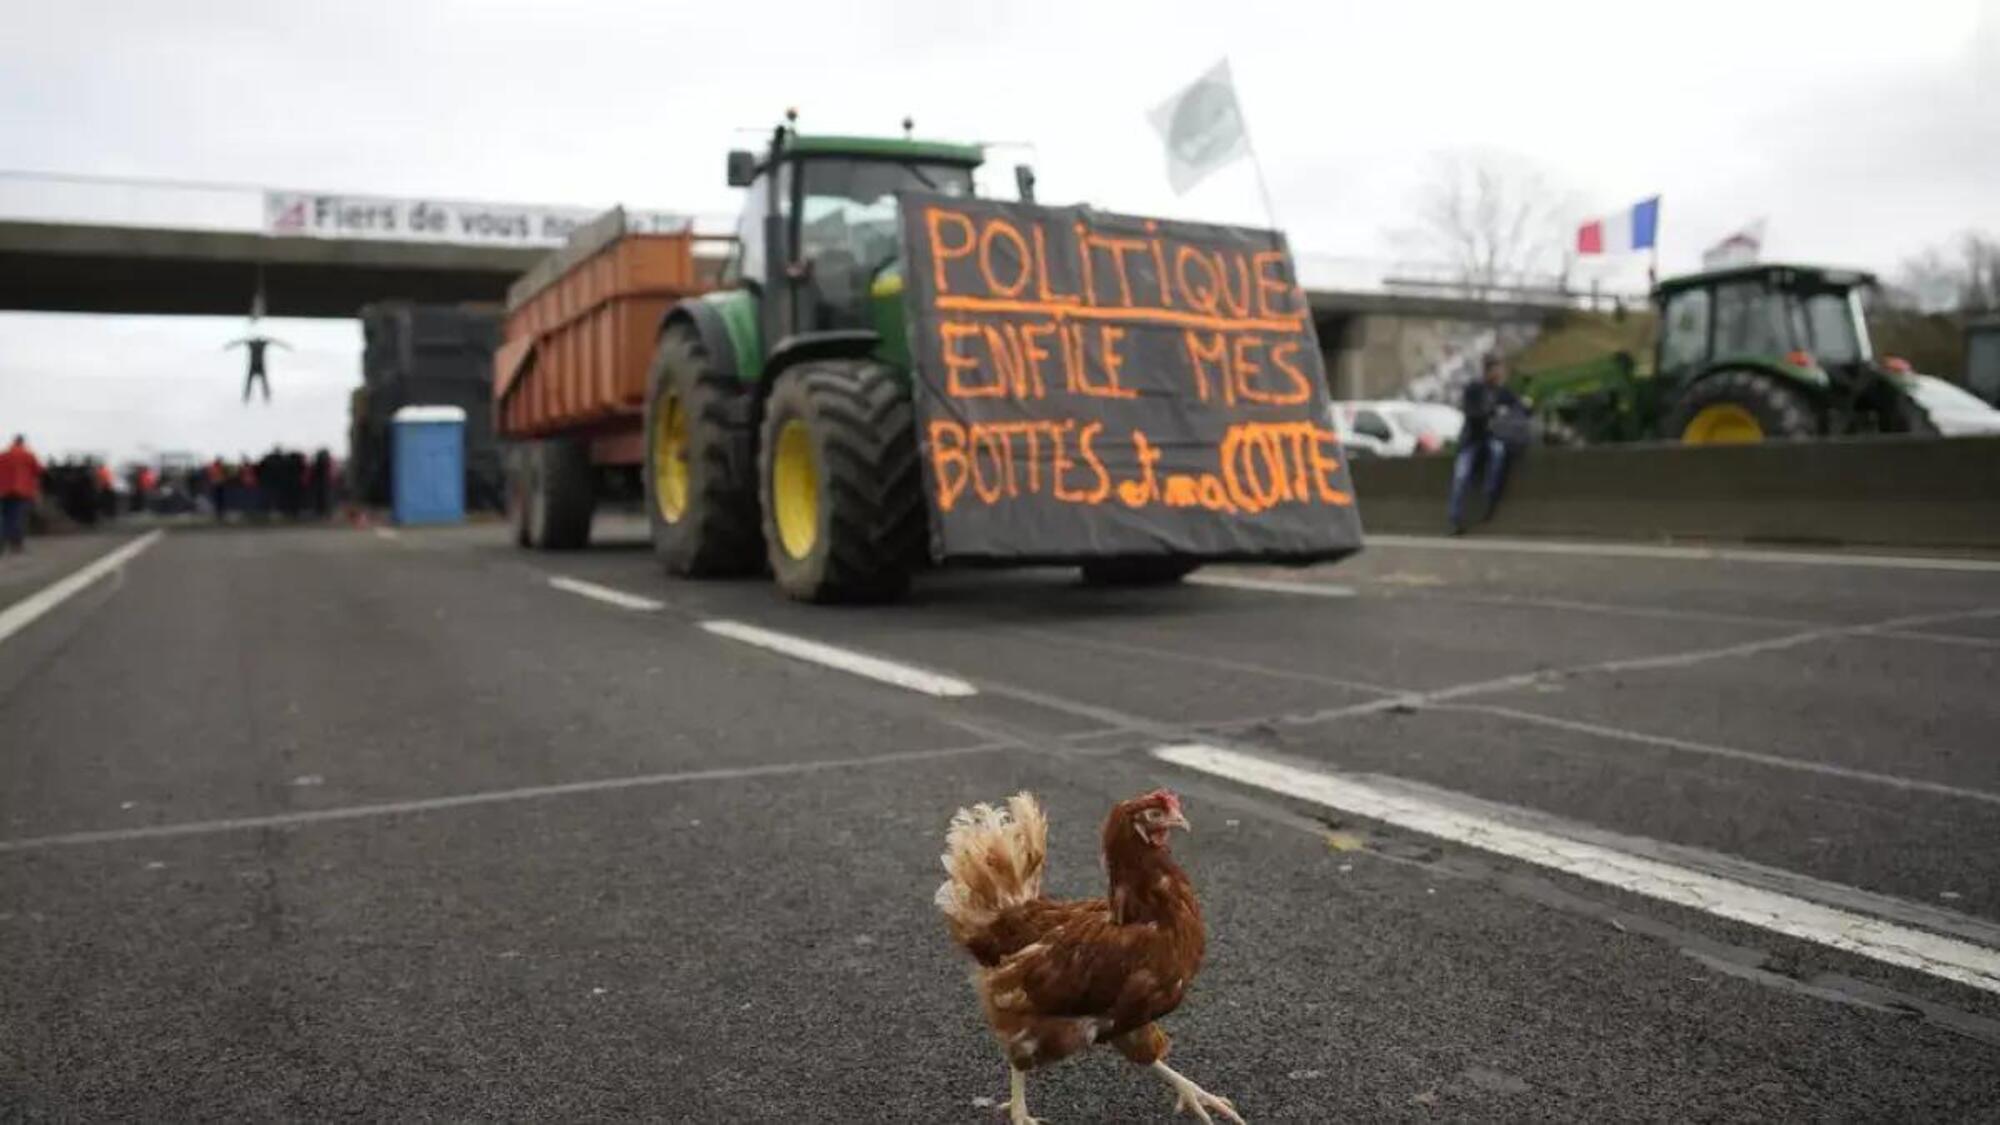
1017 1101
1190 1097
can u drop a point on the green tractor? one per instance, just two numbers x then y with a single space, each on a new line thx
779 427
1745 354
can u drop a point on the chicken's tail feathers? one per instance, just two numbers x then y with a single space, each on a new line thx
993 857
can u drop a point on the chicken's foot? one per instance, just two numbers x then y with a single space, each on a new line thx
1017 1100
1189 1097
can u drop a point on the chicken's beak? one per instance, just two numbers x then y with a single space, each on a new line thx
1175 819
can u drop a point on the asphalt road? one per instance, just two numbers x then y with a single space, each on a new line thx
316 823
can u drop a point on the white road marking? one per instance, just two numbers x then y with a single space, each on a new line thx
1327 590
846 660
1163 649
1662 613
488 797
1790 640
1272 585
1684 659
23 613
388 533
1942 638
1699 554
1891 944
1894 781
605 594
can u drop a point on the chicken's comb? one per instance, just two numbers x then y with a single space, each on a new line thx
1165 797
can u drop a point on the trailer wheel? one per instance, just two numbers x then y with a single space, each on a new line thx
519 458
553 495
1741 407
701 495
840 488
1138 571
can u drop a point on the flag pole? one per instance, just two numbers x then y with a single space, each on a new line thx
1257 162
1653 264
1250 146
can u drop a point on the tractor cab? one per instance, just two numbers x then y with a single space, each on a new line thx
1774 351
1804 317
819 238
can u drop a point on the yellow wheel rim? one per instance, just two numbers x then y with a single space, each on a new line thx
795 490
670 465
1723 423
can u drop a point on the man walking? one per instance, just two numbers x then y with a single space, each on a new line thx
20 484
1484 403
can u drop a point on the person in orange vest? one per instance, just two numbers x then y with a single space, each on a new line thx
20 486
107 490
218 480
142 492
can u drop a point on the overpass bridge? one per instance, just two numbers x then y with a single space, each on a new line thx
1381 337
75 267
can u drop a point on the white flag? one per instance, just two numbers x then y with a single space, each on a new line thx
1202 129
1738 249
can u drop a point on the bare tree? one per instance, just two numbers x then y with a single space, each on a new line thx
1964 278
1494 218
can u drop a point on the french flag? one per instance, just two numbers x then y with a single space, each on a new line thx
1635 228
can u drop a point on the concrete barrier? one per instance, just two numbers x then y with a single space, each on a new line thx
1941 493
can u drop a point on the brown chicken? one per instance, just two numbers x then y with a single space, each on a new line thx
1056 978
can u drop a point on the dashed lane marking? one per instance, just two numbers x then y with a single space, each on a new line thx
1272 585
1902 946
606 594
25 612
845 660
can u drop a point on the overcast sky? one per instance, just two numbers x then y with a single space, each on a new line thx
1861 131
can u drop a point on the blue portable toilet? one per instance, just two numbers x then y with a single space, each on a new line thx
429 464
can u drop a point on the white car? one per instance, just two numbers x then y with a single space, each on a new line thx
1955 411
1393 428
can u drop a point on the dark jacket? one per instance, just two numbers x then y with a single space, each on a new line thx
1481 401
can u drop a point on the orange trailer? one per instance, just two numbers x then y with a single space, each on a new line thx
579 337
569 378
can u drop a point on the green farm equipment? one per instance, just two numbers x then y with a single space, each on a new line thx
1745 354
785 421
788 389
888 372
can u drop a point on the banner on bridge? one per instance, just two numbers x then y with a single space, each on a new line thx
1093 385
312 215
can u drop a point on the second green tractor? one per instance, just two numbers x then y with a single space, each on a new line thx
1746 354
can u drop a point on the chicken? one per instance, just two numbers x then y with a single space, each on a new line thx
1056 978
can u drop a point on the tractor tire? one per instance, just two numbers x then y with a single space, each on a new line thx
552 495
518 457
1741 407
700 467
839 485
1138 571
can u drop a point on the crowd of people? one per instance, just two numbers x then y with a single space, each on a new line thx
83 491
284 483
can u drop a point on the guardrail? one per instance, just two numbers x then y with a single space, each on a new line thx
1932 493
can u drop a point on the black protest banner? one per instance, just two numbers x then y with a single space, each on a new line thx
1091 385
